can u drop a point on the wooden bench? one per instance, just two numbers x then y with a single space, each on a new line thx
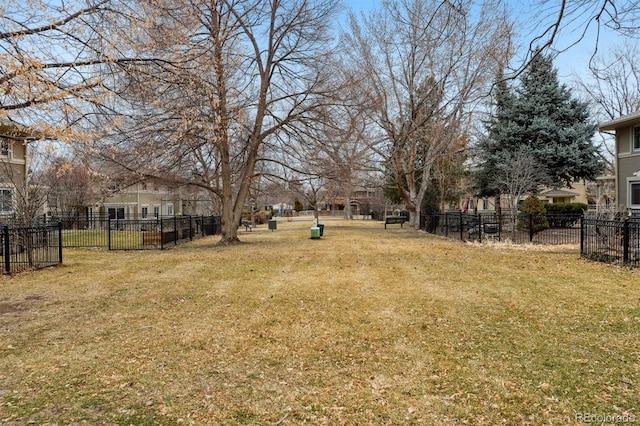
247 225
151 238
390 220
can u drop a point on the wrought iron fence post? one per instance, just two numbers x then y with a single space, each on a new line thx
479 231
109 234
446 224
530 227
461 228
161 234
7 250
60 242
581 236
175 231
625 241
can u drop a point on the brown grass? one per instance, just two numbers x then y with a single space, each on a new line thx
364 326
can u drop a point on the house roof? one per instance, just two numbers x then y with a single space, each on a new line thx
13 130
558 193
619 122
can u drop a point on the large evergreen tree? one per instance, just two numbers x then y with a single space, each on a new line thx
541 116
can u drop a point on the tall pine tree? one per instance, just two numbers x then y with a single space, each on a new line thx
541 116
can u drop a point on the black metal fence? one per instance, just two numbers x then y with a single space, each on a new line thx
135 234
26 248
611 241
523 228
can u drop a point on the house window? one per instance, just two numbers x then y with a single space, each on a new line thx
145 211
634 194
5 147
6 200
156 211
636 138
170 209
116 212
144 186
485 204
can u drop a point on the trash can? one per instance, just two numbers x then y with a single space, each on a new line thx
273 225
321 226
315 232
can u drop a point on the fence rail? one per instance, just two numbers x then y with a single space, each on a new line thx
135 234
26 248
611 241
523 228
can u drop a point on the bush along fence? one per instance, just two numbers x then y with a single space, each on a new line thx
135 234
27 248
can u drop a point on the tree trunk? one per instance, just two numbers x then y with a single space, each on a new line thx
230 220
414 217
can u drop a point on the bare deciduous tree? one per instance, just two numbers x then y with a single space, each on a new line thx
70 186
425 66
518 174
341 149
613 88
234 74
559 25
52 53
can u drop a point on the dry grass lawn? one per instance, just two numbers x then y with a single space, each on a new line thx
364 326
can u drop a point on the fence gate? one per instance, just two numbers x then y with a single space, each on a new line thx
26 248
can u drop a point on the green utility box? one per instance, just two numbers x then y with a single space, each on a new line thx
315 232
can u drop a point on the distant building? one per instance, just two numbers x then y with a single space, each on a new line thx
151 199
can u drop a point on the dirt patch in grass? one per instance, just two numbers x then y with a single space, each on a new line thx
363 326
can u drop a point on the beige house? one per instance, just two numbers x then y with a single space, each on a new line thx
140 200
151 199
13 166
578 193
627 159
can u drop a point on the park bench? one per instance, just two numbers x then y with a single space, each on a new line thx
390 220
491 229
247 225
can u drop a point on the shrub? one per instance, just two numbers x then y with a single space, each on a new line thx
262 217
564 215
533 212
565 208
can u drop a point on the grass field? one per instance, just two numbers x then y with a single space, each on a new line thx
362 327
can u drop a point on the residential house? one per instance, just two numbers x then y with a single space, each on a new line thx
627 159
578 193
364 201
140 200
13 166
